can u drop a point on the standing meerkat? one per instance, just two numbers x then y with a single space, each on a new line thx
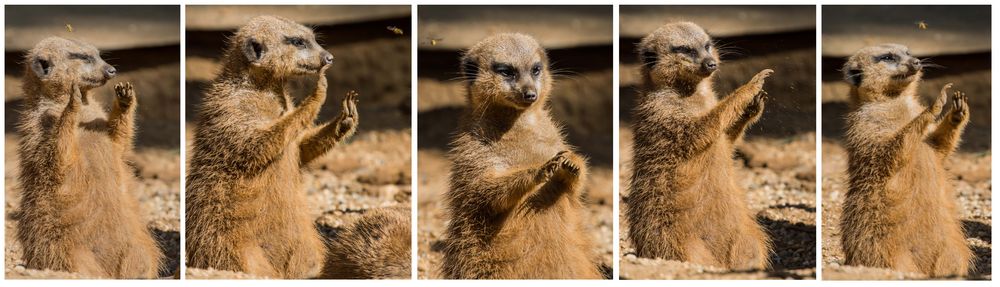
899 210
246 206
78 214
684 201
514 195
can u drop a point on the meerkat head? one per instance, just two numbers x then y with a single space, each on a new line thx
510 69
279 47
677 54
886 69
56 63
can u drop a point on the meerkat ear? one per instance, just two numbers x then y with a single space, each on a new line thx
470 69
41 67
853 74
253 49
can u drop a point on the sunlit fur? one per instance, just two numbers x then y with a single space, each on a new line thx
514 196
78 212
246 204
685 201
900 210
377 246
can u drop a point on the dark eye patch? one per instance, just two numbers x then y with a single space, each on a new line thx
504 70
886 58
296 41
536 69
82 57
682 50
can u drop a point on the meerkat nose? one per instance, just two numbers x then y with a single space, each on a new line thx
327 58
530 96
110 71
711 65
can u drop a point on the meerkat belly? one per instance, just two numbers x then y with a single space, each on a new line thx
541 242
923 203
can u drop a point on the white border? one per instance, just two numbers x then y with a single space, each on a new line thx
615 123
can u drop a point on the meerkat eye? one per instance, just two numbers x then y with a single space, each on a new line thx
82 57
708 46
504 70
536 70
296 41
886 58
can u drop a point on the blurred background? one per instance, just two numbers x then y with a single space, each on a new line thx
777 159
143 43
371 46
579 43
956 37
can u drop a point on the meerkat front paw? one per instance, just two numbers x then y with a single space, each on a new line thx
570 166
960 108
347 123
550 167
124 95
939 102
756 106
758 79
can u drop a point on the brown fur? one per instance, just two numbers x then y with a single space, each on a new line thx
77 212
899 211
684 201
246 206
514 196
377 246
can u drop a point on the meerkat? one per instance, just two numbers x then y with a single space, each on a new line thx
246 206
514 193
899 211
377 246
684 202
78 214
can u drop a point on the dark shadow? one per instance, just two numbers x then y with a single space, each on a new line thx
834 122
212 43
793 245
606 271
438 246
982 263
437 127
751 45
976 229
170 244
